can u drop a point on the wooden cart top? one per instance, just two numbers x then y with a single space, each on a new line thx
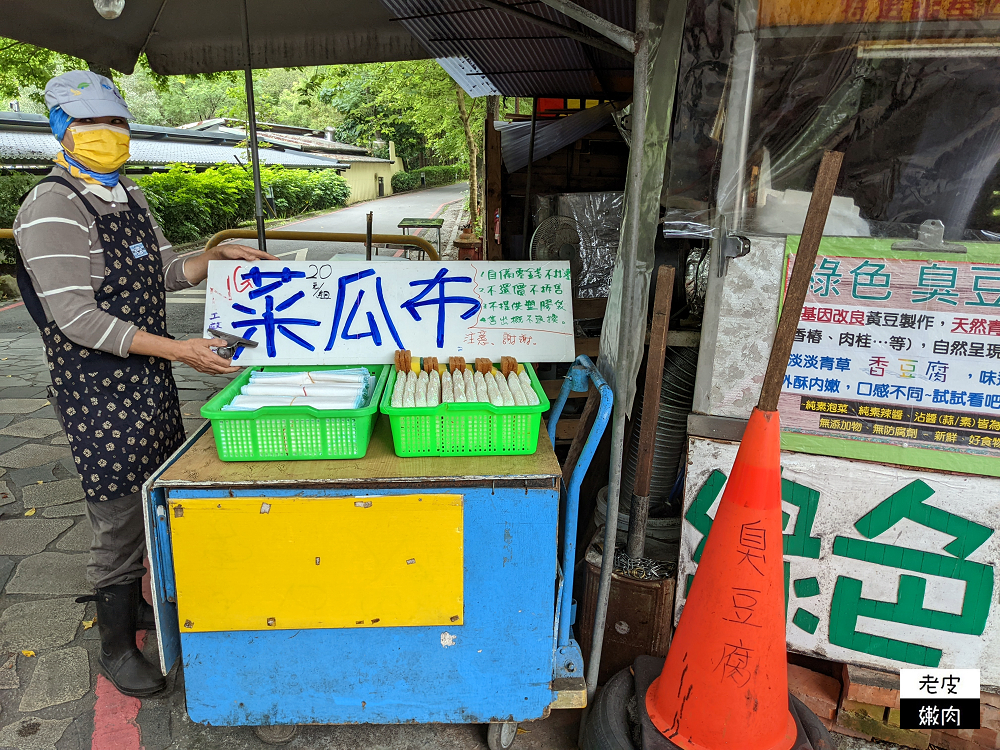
199 466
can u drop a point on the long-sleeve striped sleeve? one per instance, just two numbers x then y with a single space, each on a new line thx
55 241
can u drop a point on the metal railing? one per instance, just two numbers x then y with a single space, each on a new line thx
281 234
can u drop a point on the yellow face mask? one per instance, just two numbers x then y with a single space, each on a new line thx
100 147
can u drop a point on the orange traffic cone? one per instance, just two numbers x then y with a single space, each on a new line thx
725 680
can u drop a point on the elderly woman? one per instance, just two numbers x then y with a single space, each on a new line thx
94 269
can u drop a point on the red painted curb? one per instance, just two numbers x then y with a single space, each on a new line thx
11 307
114 719
115 727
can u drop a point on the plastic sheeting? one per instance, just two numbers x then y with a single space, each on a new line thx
598 219
911 96
624 333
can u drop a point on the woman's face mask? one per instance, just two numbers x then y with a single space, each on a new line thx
100 147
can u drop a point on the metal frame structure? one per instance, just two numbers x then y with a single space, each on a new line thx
285 234
627 253
577 379
624 38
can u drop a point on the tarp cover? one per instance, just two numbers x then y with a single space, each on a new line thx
624 333
193 36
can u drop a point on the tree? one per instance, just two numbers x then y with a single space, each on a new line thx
473 146
350 92
25 68
415 104
450 121
187 99
379 100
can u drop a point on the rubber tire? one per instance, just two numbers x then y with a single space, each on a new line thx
607 723
495 735
818 735
276 734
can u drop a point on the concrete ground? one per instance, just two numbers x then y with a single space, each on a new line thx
52 696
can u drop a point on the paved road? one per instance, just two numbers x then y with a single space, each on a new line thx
185 309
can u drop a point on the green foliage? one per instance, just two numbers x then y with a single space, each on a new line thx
25 69
446 175
434 176
412 103
403 181
12 187
352 91
190 205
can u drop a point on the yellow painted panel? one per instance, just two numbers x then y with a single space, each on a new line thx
572 104
332 562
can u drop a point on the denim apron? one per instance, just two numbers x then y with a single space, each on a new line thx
122 415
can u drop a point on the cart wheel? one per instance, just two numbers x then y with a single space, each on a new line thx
277 734
501 735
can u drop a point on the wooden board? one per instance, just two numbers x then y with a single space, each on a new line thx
654 381
200 467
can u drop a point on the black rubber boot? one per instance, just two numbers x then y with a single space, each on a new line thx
120 660
144 617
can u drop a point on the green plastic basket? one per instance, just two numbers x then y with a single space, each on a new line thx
292 433
465 429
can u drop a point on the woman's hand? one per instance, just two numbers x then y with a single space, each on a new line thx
197 353
196 266
237 252
194 352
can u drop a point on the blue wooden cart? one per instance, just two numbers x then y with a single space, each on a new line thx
291 602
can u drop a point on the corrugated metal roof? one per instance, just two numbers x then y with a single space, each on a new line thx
350 158
312 143
550 135
29 148
491 52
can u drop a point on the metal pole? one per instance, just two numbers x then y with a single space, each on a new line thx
408 240
368 238
622 37
592 41
640 93
730 196
526 247
252 132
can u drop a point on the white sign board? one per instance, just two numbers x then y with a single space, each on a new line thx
902 352
884 567
361 312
